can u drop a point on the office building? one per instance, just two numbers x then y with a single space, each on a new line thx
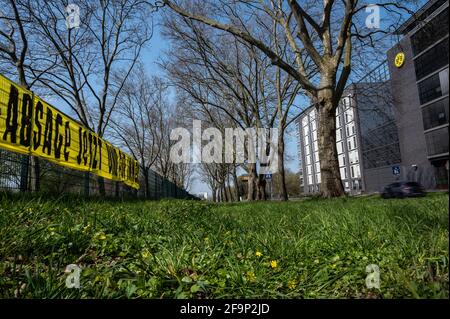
366 137
418 66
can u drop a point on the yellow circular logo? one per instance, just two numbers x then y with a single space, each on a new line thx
399 59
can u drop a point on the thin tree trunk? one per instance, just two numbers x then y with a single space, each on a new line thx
262 194
331 184
251 182
35 174
230 194
281 170
236 185
224 188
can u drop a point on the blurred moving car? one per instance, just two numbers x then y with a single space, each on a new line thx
403 189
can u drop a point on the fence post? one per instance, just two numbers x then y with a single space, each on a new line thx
24 161
86 184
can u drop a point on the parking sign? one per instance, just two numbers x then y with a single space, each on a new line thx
396 170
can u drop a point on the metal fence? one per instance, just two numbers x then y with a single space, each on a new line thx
27 174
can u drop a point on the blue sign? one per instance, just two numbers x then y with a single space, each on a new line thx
396 170
268 176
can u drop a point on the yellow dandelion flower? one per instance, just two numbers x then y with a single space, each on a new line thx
274 264
258 253
145 254
206 238
250 275
100 236
86 228
292 284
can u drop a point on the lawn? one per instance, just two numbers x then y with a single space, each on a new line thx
312 248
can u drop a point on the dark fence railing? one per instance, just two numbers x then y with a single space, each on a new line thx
21 173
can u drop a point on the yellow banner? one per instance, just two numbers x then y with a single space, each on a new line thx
29 125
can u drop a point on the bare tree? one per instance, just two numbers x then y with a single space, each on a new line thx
322 33
138 117
227 69
14 53
109 41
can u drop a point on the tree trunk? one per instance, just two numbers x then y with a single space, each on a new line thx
281 171
331 184
237 193
230 193
214 194
225 195
35 174
251 182
262 194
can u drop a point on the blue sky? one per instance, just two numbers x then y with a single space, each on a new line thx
151 54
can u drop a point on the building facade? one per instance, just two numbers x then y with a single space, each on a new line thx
418 66
393 124
366 137
347 144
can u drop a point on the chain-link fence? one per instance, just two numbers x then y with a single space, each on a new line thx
23 173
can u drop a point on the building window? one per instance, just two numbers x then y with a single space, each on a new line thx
353 155
437 141
306 140
354 141
430 33
317 165
340 147
352 171
349 145
306 130
430 89
432 60
341 159
356 172
435 114
383 156
305 121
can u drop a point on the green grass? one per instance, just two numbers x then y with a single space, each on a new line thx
181 249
